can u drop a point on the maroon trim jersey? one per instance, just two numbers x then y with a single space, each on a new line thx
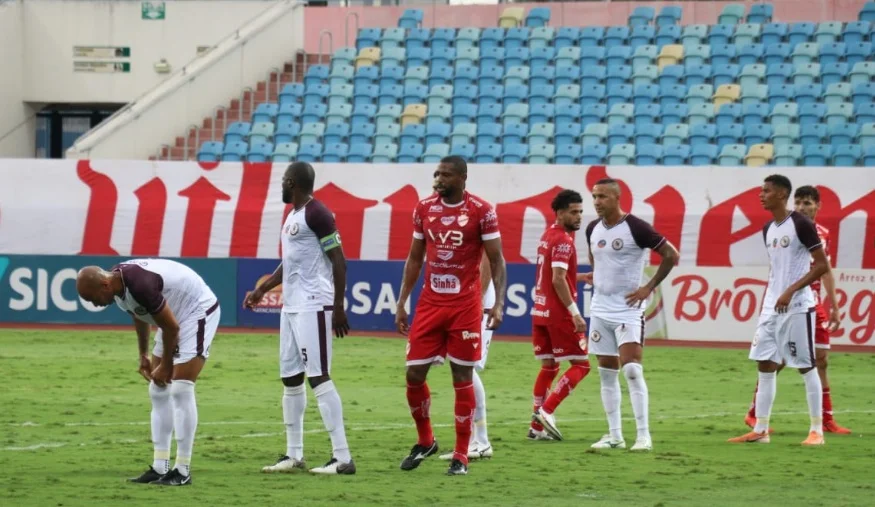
454 236
823 234
555 250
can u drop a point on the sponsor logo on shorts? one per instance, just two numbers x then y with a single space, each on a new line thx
785 241
540 300
446 284
617 244
756 339
558 351
602 243
436 209
467 335
595 336
445 255
541 313
448 220
463 220
537 348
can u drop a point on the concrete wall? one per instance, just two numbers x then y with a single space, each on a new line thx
16 118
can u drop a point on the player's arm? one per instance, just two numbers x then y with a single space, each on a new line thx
143 334
669 256
272 281
498 269
485 275
560 285
829 283
338 269
646 237
412 269
819 267
166 321
807 234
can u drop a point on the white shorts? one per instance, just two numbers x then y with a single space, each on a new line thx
606 336
485 340
196 334
785 338
305 343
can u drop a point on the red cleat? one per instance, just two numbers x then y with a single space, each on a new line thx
833 427
751 421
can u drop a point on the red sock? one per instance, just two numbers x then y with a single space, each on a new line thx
464 419
542 387
419 400
827 405
566 384
753 404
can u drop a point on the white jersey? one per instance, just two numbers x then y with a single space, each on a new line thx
489 297
152 284
619 254
789 245
308 279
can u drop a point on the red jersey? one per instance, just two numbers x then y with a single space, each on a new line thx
454 236
823 233
555 250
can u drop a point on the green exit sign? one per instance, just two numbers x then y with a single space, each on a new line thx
153 10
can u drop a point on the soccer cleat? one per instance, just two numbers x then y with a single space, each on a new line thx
548 421
833 427
484 452
609 442
538 435
146 477
457 468
174 478
814 438
334 467
642 444
751 437
417 454
752 422
285 465
475 451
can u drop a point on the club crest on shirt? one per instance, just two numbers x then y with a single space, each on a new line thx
292 229
595 336
448 220
463 220
785 241
602 243
445 255
617 244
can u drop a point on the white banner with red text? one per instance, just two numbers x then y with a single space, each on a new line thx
189 209
723 304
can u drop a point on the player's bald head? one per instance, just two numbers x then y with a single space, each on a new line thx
90 279
303 175
609 185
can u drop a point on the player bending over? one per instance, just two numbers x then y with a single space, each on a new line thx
785 330
618 250
171 296
313 278
807 201
450 231
558 329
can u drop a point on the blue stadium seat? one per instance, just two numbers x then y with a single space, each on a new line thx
778 73
592 55
568 154
316 75
464 150
539 16
567 133
670 15
865 113
645 94
260 152
784 134
410 153
493 57
542 76
210 151
618 55
566 36
844 133
618 94
364 76
676 154
492 37
694 35
569 113
732 155
336 133
291 93
757 134
760 13
647 134
361 133
593 113
566 75
729 134
434 152
812 133
721 34
702 133
541 153
648 154
731 14
863 93
593 154
750 53
641 36
514 154
703 154
542 37
367 38
856 31
616 36
286 132
674 113
591 36
867 13
787 155
869 155
801 33
678 133
237 132
671 75
777 53
816 155
410 18
728 114
726 74
647 114
592 75
592 94
668 34
487 153
266 112
514 133
832 52
781 93
784 113
541 95
672 94
412 134
723 54
336 152
416 38
234 152
621 154
359 153
641 16
774 33
313 113
594 133
516 38
698 74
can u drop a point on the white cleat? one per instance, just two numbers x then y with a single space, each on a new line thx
548 421
538 435
334 467
642 444
608 442
285 465
475 451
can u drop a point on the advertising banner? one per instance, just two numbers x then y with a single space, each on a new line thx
42 289
188 209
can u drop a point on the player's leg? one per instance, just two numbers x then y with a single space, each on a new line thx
821 353
316 340
195 339
480 446
796 333
603 343
294 400
764 350
630 337
570 346
161 424
463 352
549 370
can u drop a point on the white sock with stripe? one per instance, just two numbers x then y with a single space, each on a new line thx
611 398
814 393
294 404
162 427
765 399
184 422
332 416
480 434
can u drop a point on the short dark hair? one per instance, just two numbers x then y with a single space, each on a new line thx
458 163
565 199
807 191
779 180
303 174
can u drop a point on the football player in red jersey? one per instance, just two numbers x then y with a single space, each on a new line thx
807 202
451 230
557 326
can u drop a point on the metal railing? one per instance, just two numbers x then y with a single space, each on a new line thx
322 35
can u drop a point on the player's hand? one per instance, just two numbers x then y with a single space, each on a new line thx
783 302
496 315
401 320
253 298
639 296
585 277
835 319
145 368
339 323
579 324
162 374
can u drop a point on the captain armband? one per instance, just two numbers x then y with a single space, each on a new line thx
330 242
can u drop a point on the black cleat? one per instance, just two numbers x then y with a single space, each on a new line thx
417 454
174 478
148 476
457 468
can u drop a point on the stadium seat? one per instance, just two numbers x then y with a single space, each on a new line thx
671 75
647 134
750 54
284 152
616 36
566 36
539 16
844 133
234 152
335 133
622 154
237 132
760 13
869 156
752 75
312 133
784 113
703 154
593 113
865 113
541 153
732 155
410 153
620 133
808 73
747 33
286 132
648 154
754 113
641 36
858 52
335 152
862 94
667 34
511 17
410 18
434 152
801 33
210 151
838 113
828 32
774 33
262 132
856 31
542 37
777 53
641 16
725 75
728 114
694 35
866 138
514 133
784 134
812 133
729 134
291 93
701 113
514 154
676 154
566 133
816 155
384 153
757 134
594 133
788 155
593 154
759 155
567 154
702 133
647 114
386 134
516 38
417 38
677 133
669 15
811 113
731 14
487 153
592 55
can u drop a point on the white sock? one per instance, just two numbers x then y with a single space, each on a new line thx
479 434
639 396
162 427
814 393
765 399
332 417
184 422
611 397
294 404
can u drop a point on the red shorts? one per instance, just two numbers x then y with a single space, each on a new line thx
821 333
559 341
445 331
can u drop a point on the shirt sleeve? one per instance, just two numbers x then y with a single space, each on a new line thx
806 232
823 233
589 229
644 234
417 222
145 286
321 221
488 223
561 251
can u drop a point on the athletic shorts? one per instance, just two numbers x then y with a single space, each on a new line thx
305 344
441 332
607 335
559 341
821 328
196 334
485 340
785 338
